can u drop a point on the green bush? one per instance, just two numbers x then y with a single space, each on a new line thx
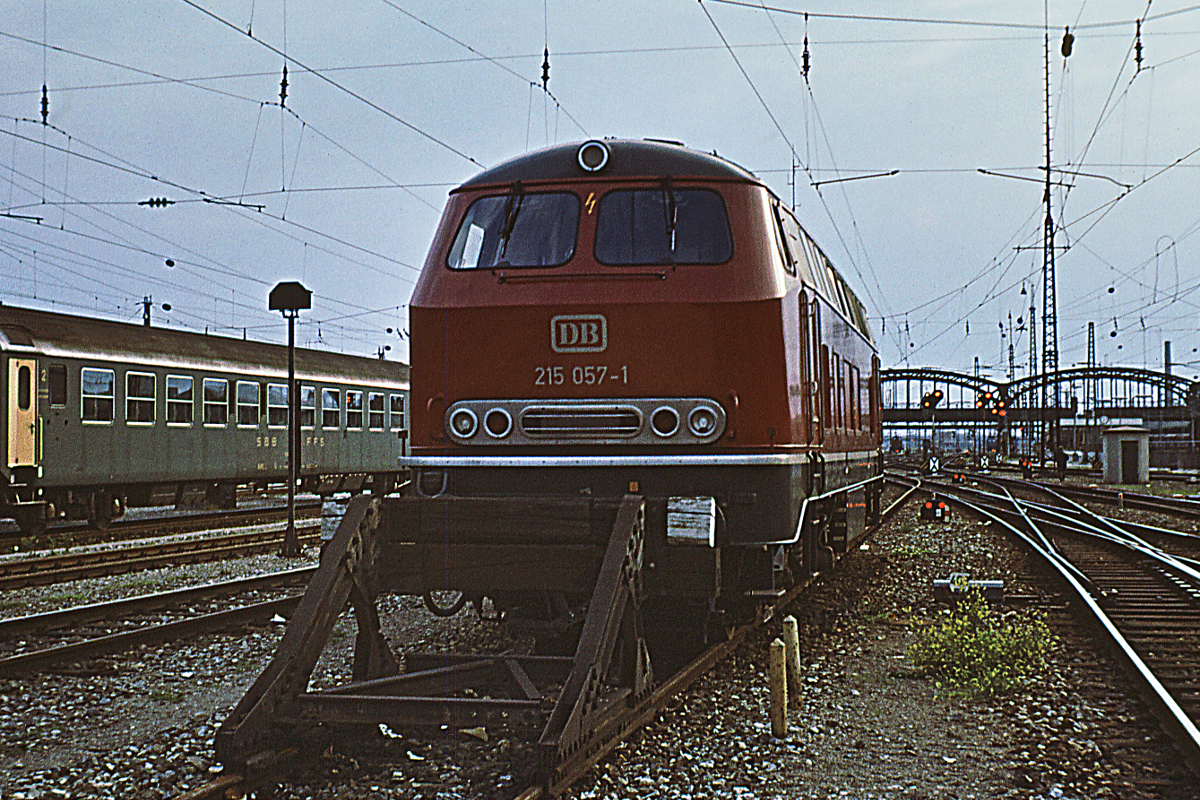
976 652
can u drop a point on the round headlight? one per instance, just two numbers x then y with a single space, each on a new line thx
498 423
464 423
665 421
702 421
592 156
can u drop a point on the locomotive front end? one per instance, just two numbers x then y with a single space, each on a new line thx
602 331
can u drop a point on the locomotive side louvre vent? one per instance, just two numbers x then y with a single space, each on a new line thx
571 421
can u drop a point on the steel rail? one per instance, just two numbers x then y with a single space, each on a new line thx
59 568
1136 500
26 663
94 612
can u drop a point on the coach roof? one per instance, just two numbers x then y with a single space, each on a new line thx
627 158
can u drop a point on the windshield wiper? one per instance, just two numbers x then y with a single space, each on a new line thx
669 209
512 208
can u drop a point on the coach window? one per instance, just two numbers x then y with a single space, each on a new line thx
139 398
397 412
331 408
308 406
664 225
24 388
216 401
354 409
247 404
375 410
58 385
99 394
517 230
180 399
277 405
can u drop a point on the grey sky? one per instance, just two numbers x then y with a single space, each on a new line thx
343 188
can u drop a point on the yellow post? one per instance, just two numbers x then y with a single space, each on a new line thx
779 691
791 643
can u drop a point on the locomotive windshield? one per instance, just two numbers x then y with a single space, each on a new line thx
517 230
663 226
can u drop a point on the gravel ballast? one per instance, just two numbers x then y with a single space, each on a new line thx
141 725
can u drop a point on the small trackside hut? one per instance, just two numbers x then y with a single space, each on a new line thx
645 406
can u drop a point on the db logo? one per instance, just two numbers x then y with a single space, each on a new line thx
578 333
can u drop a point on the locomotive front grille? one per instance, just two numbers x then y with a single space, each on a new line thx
569 422
627 420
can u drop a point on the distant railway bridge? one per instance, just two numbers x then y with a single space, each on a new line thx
938 409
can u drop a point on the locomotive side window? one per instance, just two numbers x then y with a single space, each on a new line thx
663 226
354 409
308 406
248 393
58 385
375 410
855 397
817 259
397 412
782 244
839 392
331 408
99 394
180 399
277 405
517 230
794 239
216 401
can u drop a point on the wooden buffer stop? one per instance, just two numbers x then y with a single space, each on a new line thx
494 547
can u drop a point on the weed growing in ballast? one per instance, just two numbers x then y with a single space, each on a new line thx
976 652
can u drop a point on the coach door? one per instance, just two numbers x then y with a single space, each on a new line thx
22 415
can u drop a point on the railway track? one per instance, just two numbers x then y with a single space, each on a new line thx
99 561
57 640
1139 598
129 528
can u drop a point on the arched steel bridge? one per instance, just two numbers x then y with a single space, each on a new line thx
1064 409
1117 392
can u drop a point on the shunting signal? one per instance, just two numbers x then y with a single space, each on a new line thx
935 508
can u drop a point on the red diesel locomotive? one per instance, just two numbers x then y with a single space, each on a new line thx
617 317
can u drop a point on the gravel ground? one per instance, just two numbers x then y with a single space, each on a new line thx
140 725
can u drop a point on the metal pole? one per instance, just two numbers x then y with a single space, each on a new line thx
291 544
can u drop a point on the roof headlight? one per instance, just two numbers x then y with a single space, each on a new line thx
592 156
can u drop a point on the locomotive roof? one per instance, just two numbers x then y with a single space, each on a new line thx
69 336
628 158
